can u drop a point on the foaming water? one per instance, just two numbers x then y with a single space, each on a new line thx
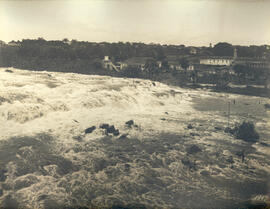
175 155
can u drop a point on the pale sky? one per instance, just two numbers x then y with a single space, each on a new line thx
189 22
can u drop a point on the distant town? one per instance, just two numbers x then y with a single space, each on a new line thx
220 64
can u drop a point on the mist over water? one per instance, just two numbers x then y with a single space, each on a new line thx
48 161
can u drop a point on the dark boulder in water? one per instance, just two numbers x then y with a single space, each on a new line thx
89 130
104 126
246 131
190 126
2 175
230 130
267 106
204 173
218 128
9 202
9 71
123 136
188 163
78 138
230 160
116 132
193 149
129 123
109 129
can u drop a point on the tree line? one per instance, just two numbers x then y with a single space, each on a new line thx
84 57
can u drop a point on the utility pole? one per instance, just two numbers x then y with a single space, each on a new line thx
229 112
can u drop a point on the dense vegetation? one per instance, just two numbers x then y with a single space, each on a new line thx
85 57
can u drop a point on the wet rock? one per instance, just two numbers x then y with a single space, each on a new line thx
123 136
25 182
129 123
1 192
193 149
42 197
194 134
98 165
9 202
267 106
264 144
216 171
246 131
218 128
78 138
204 173
111 129
51 203
8 71
89 130
116 132
127 167
104 126
2 175
230 160
188 163
190 126
222 165
229 130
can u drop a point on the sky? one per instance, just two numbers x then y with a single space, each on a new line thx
189 22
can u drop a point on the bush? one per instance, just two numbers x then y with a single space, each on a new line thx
247 132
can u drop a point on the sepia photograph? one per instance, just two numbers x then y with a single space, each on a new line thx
134 104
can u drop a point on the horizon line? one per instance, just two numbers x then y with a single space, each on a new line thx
147 43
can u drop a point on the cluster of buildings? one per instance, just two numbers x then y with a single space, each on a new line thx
200 64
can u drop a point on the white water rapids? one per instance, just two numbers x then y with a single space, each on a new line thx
47 160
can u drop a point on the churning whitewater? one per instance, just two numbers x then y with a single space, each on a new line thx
172 153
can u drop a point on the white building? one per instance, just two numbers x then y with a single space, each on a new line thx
219 61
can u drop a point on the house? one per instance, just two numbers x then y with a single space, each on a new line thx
107 63
173 62
137 62
14 43
159 64
253 63
192 50
217 61
174 65
2 43
120 65
191 67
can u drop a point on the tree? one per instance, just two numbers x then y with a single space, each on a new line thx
151 67
65 40
240 70
165 64
184 63
223 49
